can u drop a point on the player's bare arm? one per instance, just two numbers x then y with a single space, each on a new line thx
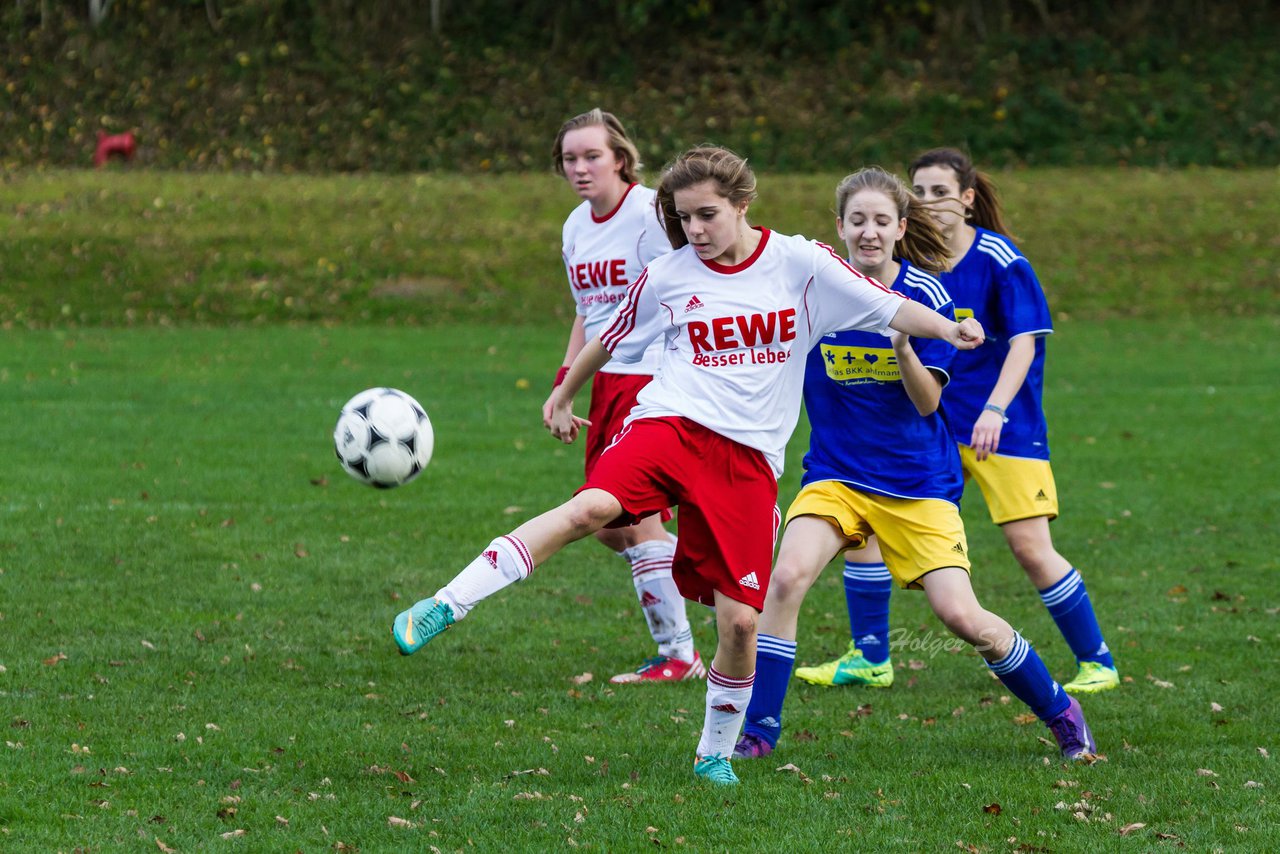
564 425
577 338
922 322
990 424
920 383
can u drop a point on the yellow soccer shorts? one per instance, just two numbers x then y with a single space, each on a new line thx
917 535
1014 488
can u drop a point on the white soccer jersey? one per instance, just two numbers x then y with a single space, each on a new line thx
735 338
603 256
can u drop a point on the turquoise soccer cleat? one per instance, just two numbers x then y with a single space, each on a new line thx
715 769
414 628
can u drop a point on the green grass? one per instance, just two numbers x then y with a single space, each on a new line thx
144 248
195 606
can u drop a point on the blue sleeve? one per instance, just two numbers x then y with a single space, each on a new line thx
933 352
1022 302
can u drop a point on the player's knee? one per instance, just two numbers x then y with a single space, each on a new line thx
614 538
588 513
789 581
741 630
960 621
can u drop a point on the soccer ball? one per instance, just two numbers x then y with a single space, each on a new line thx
383 438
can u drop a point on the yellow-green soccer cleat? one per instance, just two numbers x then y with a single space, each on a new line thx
1092 678
414 627
715 769
849 669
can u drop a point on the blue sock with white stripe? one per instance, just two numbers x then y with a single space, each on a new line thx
1069 605
774 660
1026 677
867 587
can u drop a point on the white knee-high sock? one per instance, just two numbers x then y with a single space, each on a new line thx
727 700
505 561
660 600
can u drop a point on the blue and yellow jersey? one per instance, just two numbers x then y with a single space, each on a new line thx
994 283
866 432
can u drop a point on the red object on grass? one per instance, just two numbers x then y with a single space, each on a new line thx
121 145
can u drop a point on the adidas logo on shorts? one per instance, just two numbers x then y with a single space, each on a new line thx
1040 496
750 580
958 549
693 303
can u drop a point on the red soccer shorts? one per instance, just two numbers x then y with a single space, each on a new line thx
727 496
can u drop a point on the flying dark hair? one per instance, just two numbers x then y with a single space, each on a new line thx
986 211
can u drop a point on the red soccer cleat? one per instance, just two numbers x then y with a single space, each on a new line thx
662 668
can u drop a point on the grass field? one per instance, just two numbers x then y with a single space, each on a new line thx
195 601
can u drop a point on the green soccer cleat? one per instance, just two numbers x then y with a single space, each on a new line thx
849 669
1092 678
715 769
418 625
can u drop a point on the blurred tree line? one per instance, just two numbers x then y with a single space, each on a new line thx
796 84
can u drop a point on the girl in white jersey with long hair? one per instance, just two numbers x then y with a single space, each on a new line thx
737 309
607 241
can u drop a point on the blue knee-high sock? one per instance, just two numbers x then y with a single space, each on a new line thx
1026 677
774 659
1069 605
867 587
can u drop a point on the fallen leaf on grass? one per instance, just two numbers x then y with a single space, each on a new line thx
993 809
1263 752
396 821
1024 719
50 662
232 834
804 778
165 848
1214 707
582 678
1205 772
1252 784
1130 828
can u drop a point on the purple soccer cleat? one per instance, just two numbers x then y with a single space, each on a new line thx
1072 732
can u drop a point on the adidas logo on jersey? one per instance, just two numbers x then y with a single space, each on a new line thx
693 303
492 557
1040 496
958 549
750 580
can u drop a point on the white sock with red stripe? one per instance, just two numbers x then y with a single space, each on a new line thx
660 599
504 562
727 700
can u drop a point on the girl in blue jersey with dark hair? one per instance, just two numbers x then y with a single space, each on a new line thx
994 398
882 461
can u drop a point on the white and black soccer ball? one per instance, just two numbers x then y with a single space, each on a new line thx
383 438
